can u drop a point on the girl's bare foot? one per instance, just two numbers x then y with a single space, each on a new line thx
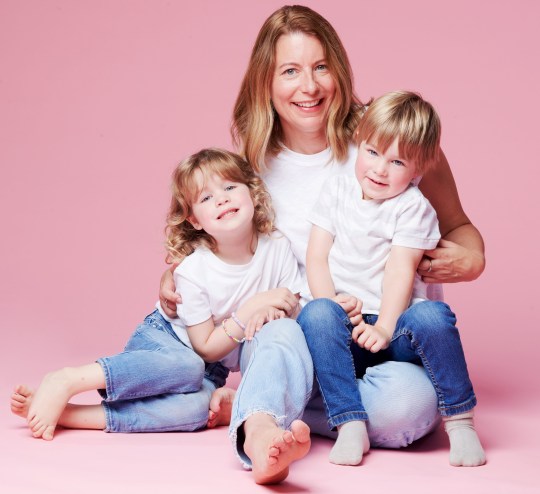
48 404
21 399
220 407
272 449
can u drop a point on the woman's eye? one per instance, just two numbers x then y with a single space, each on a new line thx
290 71
321 67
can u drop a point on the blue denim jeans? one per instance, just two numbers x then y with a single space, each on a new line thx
425 334
157 383
277 379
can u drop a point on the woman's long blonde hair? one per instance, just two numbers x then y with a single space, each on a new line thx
256 128
181 237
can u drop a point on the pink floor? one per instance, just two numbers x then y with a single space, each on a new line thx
92 461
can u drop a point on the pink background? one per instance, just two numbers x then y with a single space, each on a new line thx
99 100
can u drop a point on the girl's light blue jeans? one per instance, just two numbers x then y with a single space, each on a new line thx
425 334
278 378
157 383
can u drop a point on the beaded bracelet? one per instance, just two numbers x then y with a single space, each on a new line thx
229 334
234 317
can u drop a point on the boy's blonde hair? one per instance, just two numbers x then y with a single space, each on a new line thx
256 128
409 118
182 237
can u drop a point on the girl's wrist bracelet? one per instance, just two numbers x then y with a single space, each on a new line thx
238 321
229 334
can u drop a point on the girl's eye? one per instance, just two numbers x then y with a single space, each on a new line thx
230 187
205 198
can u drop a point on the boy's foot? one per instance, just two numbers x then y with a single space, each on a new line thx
220 407
465 447
48 404
272 449
351 445
21 398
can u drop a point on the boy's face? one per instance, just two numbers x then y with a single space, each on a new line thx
383 175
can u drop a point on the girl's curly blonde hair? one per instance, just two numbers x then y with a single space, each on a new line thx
181 237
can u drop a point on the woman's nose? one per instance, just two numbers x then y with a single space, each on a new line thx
309 85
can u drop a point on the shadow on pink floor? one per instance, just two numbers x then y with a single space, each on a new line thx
92 461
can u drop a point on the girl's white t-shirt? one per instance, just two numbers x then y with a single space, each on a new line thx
211 288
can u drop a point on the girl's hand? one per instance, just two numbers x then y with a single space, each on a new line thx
279 298
261 317
168 298
372 338
351 305
450 263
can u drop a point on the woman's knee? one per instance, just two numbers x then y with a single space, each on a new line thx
401 403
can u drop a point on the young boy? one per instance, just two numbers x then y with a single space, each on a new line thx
369 234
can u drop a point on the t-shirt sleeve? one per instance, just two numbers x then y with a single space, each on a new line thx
195 306
417 225
322 213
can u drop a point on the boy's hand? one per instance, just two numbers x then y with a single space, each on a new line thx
372 338
351 305
261 317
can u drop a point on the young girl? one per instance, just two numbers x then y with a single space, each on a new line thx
369 235
235 274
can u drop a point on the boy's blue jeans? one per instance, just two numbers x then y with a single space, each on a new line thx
425 334
157 383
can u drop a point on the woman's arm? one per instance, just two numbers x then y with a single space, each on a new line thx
460 254
168 298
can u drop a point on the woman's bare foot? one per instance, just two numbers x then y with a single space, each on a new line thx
272 449
21 399
220 407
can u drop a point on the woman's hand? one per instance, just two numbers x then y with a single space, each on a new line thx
260 318
168 298
451 263
351 305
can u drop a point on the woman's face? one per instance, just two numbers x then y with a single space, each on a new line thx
302 89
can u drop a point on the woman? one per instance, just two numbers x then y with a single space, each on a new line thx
294 120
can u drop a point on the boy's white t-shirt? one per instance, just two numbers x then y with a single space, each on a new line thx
364 232
295 182
211 288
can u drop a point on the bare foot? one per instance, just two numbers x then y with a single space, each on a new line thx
21 399
272 449
220 407
48 404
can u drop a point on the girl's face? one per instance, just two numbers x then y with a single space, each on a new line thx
302 89
383 175
224 209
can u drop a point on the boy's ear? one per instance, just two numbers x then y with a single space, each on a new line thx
194 223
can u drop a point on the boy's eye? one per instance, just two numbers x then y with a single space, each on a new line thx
372 152
398 162
230 187
205 198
